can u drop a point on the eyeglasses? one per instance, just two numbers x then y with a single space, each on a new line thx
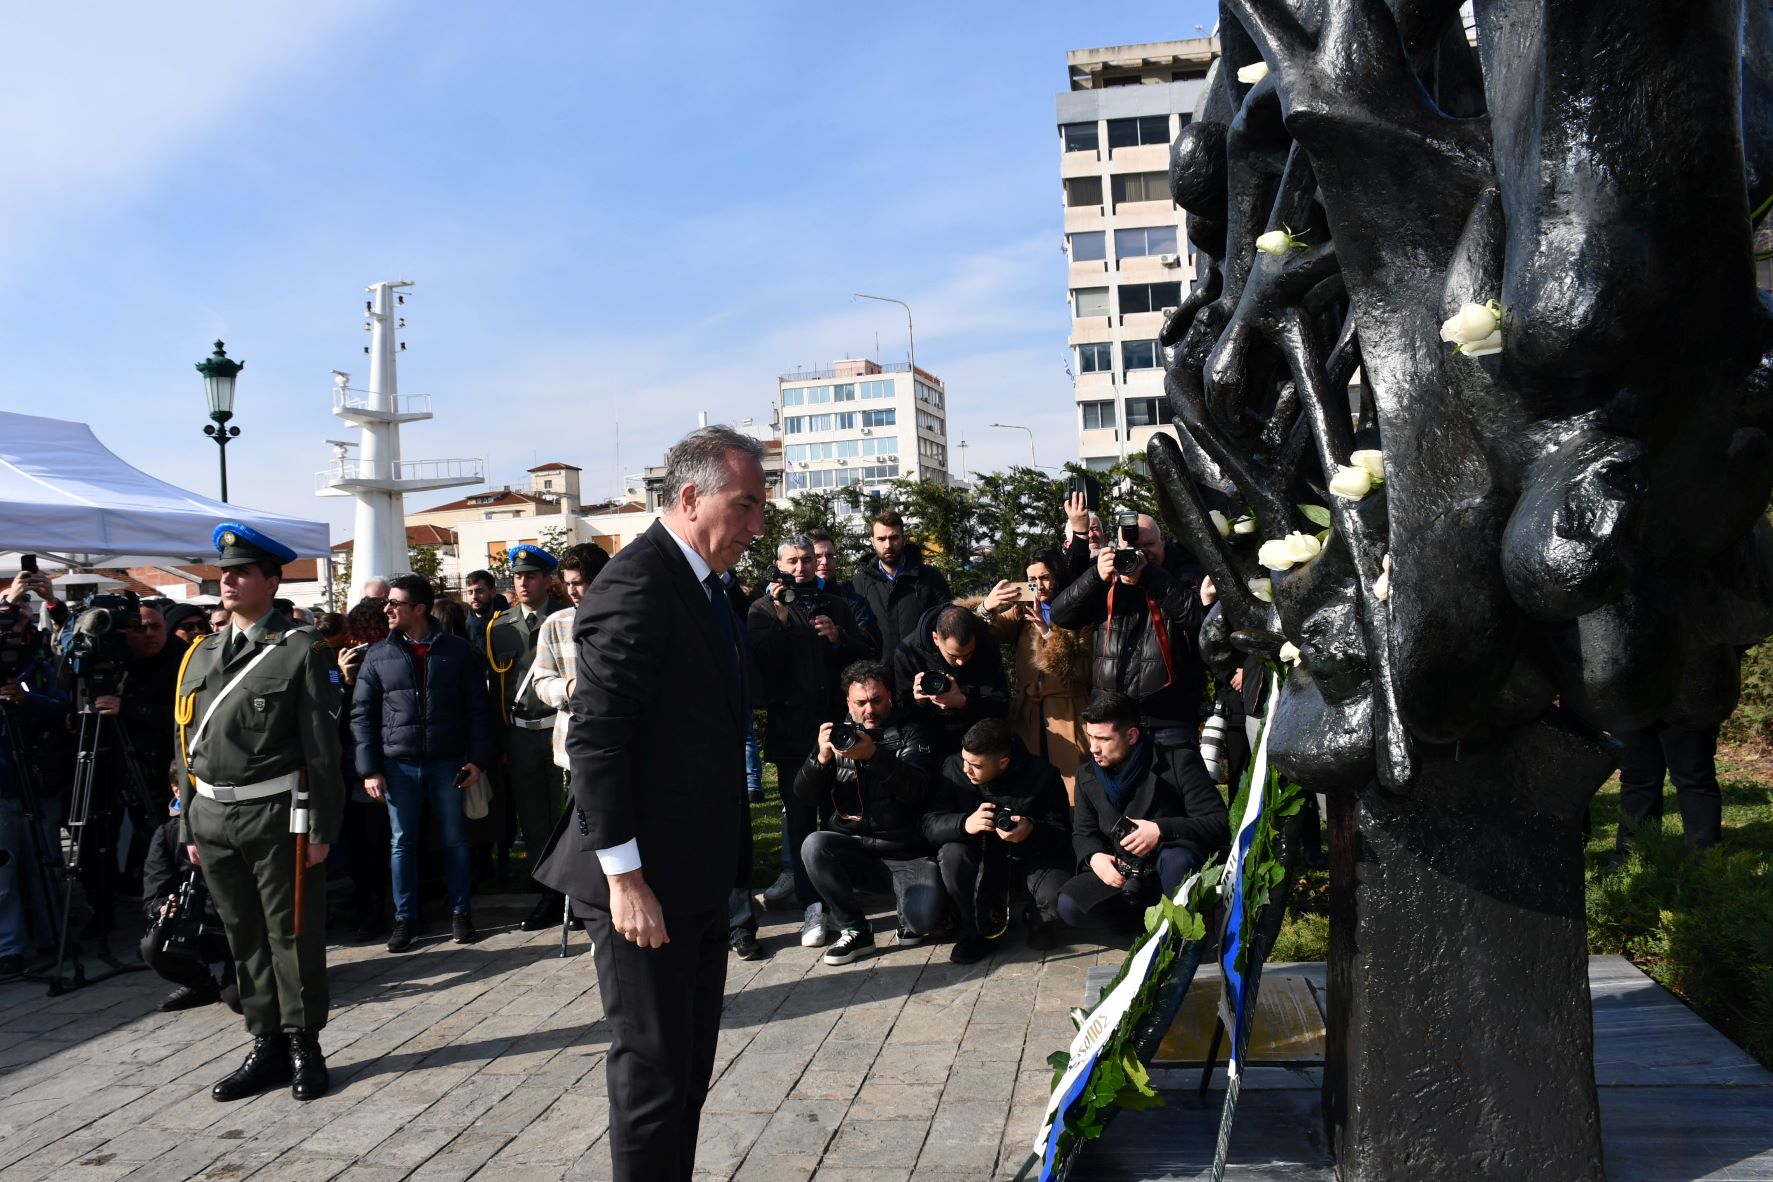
397 604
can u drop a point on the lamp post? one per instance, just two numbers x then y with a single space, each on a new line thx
1033 461
219 371
910 336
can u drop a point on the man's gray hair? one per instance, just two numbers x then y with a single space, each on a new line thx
700 458
794 542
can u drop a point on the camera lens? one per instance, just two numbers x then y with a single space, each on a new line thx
936 683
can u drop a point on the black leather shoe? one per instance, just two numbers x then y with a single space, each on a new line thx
461 928
187 997
267 1064
745 945
400 939
308 1067
546 914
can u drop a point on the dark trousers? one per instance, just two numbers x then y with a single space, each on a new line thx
248 858
1088 902
840 864
536 786
663 1009
983 879
1688 757
801 821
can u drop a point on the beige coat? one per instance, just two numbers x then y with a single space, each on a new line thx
1052 678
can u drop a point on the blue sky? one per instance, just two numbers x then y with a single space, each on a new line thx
612 217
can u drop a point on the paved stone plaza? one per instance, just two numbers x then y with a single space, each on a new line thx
486 1061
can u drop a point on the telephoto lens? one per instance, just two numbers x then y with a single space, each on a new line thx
937 683
1212 742
844 734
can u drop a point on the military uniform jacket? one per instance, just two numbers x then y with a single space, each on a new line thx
282 717
511 650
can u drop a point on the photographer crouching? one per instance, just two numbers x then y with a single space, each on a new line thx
802 638
1147 816
184 935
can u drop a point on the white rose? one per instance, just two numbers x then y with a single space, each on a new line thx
1253 73
1244 525
1472 323
1382 584
1490 344
1372 461
1289 652
1220 523
1276 242
1262 589
1351 481
1285 553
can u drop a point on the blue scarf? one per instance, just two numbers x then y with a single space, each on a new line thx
1118 785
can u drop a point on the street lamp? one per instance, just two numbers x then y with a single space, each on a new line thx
219 371
1032 460
910 336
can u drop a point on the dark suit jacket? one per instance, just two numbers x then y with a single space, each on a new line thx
1176 793
657 739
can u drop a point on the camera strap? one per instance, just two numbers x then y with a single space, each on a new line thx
203 723
1157 624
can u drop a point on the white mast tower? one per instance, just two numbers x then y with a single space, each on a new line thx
377 476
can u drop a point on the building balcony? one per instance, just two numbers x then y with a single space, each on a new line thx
1084 217
1140 158
360 406
1080 164
346 477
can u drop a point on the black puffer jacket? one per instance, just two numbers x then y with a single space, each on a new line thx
1030 786
449 717
1129 655
881 801
899 603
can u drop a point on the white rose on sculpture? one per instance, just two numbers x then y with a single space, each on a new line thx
1490 344
1244 525
1262 589
1475 330
1288 552
1373 461
1253 73
1220 523
1382 584
1351 482
1289 652
1277 242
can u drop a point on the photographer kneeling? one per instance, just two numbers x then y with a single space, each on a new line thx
1000 818
1147 816
184 935
874 777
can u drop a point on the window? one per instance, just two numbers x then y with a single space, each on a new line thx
1089 301
844 393
1131 133
846 420
1098 463
1139 355
1141 186
881 389
794 424
929 422
820 423
879 418
1089 248
1149 297
1095 358
1142 241
1079 137
1147 412
929 394
1098 416
1083 190
794 397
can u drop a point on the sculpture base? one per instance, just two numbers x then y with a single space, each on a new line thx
1678 1100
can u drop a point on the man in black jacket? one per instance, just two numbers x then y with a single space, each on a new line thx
423 731
1146 818
164 871
1145 622
897 586
949 676
875 780
802 637
1000 820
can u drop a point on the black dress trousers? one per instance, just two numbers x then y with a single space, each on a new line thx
1687 756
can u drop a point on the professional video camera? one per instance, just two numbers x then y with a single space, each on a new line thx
93 643
18 648
791 591
1127 555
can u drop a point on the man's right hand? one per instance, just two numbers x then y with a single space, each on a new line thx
634 912
107 704
1105 564
1103 865
827 752
982 819
1077 513
376 786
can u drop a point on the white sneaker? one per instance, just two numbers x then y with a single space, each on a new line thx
814 932
778 891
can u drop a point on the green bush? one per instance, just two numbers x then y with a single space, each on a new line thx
1753 720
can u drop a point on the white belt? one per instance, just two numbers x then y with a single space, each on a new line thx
532 724
284 785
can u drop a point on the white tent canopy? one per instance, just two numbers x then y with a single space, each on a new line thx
65 495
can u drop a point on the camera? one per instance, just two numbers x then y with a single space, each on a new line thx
790 591
935 683
1128 865
94 645
17 647
845 734
1127 555
1003 819
1212 741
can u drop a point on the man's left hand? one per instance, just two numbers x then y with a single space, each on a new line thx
1022 832
952 698
864 749
824 627
107 704
317 852
1142 840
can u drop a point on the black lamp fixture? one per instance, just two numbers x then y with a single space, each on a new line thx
219 371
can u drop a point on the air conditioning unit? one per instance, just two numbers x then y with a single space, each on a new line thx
1170 260
843 463
867 430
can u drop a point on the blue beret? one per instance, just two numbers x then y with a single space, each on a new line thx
531 558
242 545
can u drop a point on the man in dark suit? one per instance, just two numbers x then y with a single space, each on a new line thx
657 745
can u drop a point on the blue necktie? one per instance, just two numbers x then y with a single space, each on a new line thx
723 613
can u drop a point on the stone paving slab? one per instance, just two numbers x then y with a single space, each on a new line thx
485 1062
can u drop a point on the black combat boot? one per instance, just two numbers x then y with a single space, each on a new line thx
310 1080
266 1064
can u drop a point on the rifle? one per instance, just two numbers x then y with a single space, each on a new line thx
298 825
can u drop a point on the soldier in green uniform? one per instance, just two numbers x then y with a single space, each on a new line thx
258 749
536 783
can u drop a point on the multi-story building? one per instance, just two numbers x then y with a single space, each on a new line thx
1129 260
862 424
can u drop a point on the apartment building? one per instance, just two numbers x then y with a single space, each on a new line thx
862 424
1128 257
